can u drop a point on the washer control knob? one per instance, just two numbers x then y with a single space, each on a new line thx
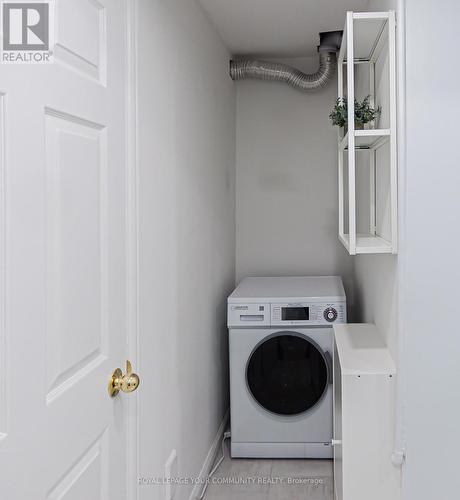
330 314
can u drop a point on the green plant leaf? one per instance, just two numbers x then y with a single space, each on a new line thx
364 113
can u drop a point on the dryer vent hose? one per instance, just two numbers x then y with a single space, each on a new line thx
244 68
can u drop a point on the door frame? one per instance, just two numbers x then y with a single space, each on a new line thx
3 343
132 242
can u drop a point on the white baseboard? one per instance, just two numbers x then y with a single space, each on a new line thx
210 458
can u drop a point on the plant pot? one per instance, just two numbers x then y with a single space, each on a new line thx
358 126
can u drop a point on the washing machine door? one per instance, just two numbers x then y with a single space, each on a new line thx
287 373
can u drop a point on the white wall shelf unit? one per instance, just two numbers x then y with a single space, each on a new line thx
366 36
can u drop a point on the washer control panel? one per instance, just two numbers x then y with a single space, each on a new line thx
255 315
304 313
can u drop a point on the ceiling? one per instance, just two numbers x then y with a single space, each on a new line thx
286 28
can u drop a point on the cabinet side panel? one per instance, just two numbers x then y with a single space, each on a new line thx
368 436
338 477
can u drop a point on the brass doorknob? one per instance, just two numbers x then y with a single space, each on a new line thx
126 383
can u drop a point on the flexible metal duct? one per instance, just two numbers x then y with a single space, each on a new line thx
242 69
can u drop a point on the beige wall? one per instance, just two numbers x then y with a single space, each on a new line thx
376 276
286 194
431 269
186 115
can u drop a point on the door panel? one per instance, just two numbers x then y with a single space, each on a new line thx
76 221
63 249
88 477
84 54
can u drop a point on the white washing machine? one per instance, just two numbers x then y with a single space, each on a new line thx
281 348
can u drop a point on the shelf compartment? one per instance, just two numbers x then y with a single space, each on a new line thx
368 35
368 243
367 139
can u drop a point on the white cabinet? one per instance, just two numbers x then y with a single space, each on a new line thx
368 214
364 392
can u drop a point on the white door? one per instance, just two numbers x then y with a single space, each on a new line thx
63 262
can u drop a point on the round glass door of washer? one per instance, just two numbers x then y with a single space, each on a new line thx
287 374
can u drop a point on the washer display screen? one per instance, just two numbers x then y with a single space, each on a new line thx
295 313
287 374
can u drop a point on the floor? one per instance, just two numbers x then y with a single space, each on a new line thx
271 480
